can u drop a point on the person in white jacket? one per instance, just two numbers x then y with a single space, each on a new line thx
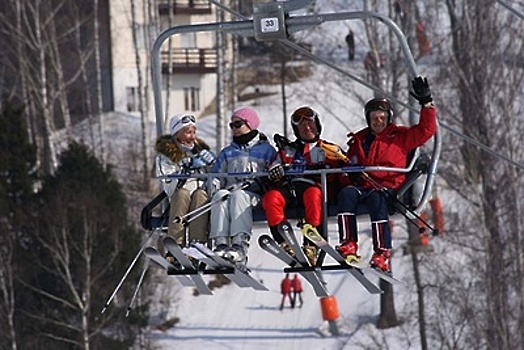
182 152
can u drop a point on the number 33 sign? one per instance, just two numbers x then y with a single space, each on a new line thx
269 25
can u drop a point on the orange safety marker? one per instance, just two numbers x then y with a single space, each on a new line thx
329 308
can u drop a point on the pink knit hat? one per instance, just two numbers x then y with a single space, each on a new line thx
249 116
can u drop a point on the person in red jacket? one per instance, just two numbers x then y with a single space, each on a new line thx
296 286
382 143
285 290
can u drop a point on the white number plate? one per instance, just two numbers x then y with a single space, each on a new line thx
269 25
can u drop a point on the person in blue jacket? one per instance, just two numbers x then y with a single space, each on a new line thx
231 219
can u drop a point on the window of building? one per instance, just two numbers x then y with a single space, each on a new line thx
132 99
192 99
188 40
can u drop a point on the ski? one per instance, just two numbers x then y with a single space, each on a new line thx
357 269
271 246
312 234
377 273
216 268
286 231
153 254
244 275
188 267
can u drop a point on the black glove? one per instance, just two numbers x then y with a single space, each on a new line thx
356 177
421 91
186 163
276 173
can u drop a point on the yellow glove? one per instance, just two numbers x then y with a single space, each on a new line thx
333 151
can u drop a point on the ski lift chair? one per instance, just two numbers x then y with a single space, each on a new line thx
151 222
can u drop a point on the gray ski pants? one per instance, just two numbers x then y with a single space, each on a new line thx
233 215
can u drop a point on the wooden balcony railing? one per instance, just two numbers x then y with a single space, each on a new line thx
187 7
189 61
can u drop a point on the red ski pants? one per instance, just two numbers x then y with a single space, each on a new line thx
275 201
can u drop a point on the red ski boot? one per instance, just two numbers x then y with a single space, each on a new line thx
380 260
349 250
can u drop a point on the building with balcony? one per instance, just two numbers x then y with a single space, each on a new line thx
188 60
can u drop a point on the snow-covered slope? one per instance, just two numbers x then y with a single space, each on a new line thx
241 318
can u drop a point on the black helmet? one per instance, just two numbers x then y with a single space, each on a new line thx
305 112
378 104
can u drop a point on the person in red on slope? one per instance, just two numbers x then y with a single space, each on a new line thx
285 290
296 286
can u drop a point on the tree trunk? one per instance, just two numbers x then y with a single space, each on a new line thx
143 117
99 96
388 316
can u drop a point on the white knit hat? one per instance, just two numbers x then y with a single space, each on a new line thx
180 121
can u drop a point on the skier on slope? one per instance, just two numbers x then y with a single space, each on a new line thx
296 286
285 290
310 152
232 218
182 152
382 143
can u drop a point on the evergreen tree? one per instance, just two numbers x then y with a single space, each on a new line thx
80 242
17 160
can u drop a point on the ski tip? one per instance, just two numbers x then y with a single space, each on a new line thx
168 238
263 239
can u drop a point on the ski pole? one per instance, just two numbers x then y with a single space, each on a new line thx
119 285
192 215
144 270
399 205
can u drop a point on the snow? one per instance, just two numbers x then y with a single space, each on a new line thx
241 318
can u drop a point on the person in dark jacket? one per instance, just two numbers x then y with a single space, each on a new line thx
350 41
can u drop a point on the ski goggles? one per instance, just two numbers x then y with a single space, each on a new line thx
186 119
236 124
301 114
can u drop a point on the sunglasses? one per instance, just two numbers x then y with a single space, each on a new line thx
301 114
236 124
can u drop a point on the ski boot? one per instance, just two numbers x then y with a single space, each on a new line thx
348 250
221 246
221 250
237 254
310 251
171 259
287 249
380 260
